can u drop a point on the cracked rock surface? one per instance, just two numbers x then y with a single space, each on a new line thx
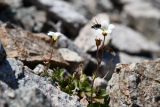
135 85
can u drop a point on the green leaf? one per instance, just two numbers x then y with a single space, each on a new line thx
61 74
103 93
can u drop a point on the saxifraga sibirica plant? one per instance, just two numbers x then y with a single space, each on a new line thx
101 41
54 38
79 83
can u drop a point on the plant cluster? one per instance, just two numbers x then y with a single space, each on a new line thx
79 83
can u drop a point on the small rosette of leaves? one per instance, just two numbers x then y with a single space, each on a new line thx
80 86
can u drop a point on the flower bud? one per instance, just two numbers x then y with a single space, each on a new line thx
104 33
98 42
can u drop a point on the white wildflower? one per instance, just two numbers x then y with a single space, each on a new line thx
54 35
105 31
110 28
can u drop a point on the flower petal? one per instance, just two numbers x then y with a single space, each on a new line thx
109 31
50 33
54 35
111 27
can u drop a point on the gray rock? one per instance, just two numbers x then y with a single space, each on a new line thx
31 19
124 2
3 97
130 41
10 71
89 62
32 89
70 56
22 97
104 6
144 17
65 42
58 98
72 21
31 97
155 3
91 7
127 58
10 93
3 103
136 84
2 53
100 83
11 3
87 8
39 69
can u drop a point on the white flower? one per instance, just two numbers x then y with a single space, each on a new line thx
110 28
105 24
105 31
55 35
100 37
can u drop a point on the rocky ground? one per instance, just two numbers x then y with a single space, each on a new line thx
134 71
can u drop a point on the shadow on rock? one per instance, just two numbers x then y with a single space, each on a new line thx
8 15
7 74
110 63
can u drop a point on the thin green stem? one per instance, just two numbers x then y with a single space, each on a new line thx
104 38
49 60
99 55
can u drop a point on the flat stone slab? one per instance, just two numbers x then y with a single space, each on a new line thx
28 47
